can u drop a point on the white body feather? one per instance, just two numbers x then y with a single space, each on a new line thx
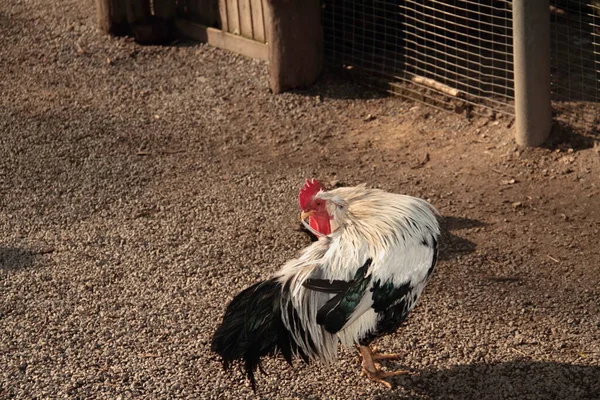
397 232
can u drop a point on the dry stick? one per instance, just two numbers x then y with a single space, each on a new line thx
501 173
436 85
520 352
431 83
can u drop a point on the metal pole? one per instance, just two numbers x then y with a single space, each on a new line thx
531 42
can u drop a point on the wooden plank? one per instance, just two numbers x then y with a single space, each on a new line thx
222 40
224 16
233 16
258 21
246 28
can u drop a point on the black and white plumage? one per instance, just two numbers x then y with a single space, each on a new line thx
360 280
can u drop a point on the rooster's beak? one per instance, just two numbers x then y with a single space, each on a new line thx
306 214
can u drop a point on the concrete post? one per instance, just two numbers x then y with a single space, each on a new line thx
531 41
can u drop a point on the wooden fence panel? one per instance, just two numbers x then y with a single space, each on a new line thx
258 21
233 16
245 19
223 16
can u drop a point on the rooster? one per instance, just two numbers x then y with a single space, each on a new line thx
374 255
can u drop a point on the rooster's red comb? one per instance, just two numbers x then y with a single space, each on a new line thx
308 191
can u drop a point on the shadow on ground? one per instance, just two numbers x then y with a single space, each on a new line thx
12 258
520 379
451 244
564 136
334 84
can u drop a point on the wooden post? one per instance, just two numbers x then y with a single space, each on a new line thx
112 16
138 11
146 27
295 40
531 42
165 9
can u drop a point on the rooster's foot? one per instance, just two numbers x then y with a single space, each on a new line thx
373 371
375 355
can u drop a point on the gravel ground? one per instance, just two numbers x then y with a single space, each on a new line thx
142 187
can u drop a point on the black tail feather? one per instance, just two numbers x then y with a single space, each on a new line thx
252 328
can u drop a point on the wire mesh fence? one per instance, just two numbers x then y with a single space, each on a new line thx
449 53
575 61
435 50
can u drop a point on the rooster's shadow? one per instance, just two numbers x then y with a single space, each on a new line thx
453 245
520 379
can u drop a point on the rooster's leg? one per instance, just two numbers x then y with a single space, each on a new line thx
372 370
